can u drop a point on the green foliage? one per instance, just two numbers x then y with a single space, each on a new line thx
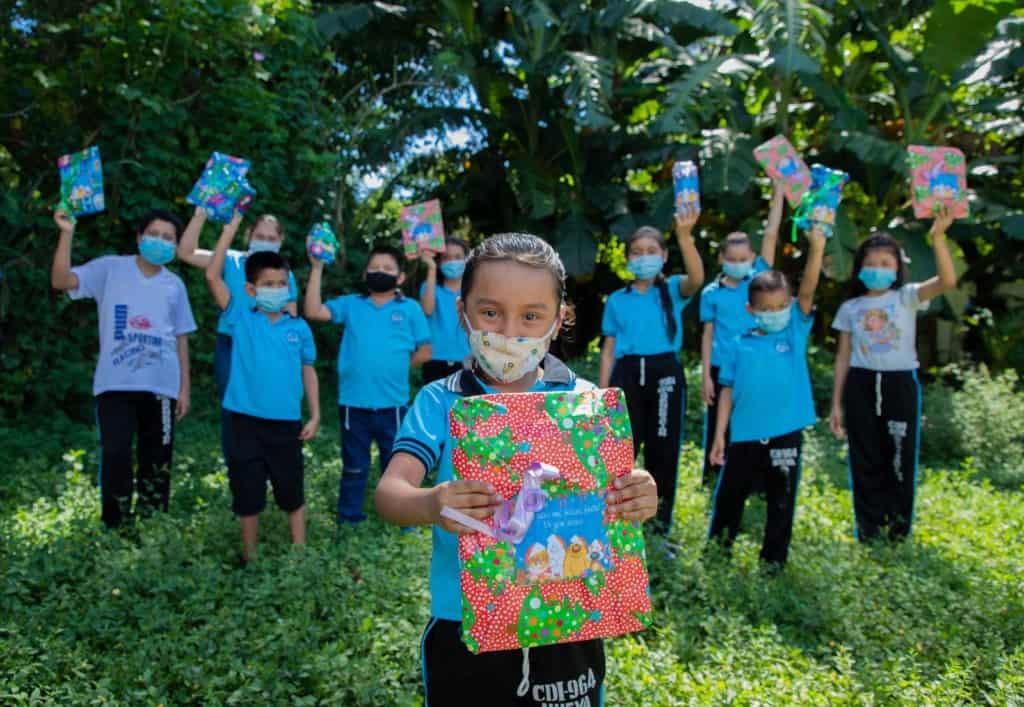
978 416
495 564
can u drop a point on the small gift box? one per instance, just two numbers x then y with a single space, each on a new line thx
937 175
81 183
686 186
219 187
781 161
550 566
422 229
819 203
321 243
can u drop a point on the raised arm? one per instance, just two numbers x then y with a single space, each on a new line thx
945 278
429 299
313 306
215 270
61 277
842 364
770 241
812 270
689 285
188 247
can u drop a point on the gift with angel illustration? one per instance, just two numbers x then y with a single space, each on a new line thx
551 565
81 183
221 186
422 229
782 163
685 186
937 175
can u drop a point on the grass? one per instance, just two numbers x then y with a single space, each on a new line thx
90 617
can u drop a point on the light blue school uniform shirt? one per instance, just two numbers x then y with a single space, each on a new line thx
726 308
373 363
770 381
448 339
234 278
266 362
637 320
425 434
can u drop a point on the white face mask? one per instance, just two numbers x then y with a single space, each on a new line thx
508 358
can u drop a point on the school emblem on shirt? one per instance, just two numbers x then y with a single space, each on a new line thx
782 347
397 317
292 338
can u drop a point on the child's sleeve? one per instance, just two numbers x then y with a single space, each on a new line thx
308 350
293 289
707 304
229 317
761 265
910 297
679 301
802 323
92 278
184 322
425 427
609 326
842 321
418 323
338 308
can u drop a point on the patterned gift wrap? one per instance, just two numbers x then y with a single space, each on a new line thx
820 203
81 182
686 186
574 574
422 229
781 161
321 243
220 186
937 174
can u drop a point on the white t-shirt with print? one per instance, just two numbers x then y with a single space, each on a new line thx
140 320
883 329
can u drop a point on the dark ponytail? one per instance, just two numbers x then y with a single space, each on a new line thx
660 281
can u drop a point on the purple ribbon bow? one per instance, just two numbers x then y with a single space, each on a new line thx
513 517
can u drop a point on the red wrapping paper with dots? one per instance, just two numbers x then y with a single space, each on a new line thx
567 589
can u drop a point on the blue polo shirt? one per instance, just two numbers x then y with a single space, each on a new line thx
637 321
373 363
448 339
266 362
425 434
726 308
234 278
771 385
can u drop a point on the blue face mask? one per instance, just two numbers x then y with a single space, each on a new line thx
877 278
644 267
272 299
156 250
453 269
259 246
737 271
772 322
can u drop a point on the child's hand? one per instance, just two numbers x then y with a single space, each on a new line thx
635 496
476 499
428 259
778 190
708 390
816 236
835 423
718 451
315 263
686 221
63 221
183 404
310 429
236 219
944 219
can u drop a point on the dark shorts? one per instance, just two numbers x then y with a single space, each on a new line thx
265 450
566 675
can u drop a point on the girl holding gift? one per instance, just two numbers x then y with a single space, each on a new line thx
643 332
265 234
724 315
447 337
876 391
512 306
